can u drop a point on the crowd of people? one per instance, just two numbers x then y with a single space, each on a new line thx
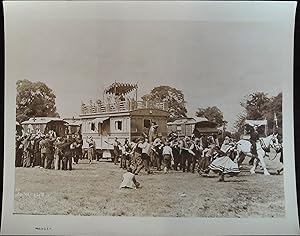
47 150
186 154
61 153
151 153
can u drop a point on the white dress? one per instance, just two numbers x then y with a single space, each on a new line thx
225 165
128 181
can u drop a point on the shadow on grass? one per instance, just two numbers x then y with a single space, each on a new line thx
236 181
208 176
80 169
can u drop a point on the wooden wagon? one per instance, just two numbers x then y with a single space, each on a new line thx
120 115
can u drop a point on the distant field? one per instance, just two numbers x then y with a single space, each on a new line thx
94 190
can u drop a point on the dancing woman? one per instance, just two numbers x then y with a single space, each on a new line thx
223 164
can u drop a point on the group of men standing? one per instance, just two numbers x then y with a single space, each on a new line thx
47 150
177 153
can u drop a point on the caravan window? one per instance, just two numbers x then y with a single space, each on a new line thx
179 129
93 126
147 123
118 125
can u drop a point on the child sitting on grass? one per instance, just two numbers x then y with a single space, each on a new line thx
129 180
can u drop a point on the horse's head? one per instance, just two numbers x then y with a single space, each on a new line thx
274 143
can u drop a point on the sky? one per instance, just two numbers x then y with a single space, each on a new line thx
215 61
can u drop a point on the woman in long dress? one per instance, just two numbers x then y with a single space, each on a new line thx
223 164
91 149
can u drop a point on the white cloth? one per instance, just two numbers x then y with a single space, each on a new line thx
167 150
225 147
156 142
146 148
128 181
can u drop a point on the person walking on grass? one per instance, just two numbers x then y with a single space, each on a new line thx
125 158
138 162
146 155
117 150
168 157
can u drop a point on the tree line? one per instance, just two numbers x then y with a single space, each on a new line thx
36 99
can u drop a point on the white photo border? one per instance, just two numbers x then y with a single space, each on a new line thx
104 225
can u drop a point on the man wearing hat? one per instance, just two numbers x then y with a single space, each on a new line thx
254 137
19 150
78 148
157 147
116 146
58 153
176 153
67 150
37 150
27 150
125 149
146 155
46 152
117 150
186 146
138 161
168 156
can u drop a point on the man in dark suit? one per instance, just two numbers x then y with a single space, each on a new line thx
254 137
46 152
67 150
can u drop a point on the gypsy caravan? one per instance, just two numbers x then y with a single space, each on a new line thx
205 127
44 125
184 126
73 125
120 115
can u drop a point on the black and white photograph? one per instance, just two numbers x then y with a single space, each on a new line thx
167 111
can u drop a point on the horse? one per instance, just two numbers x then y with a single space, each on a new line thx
263 145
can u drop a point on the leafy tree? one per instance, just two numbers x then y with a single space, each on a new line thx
212 114
258 106
172 97
255 105
34 99
274 107
239 124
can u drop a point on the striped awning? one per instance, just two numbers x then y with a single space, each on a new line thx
120 88
100 120
256 122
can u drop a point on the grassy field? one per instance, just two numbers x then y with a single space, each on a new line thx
94 190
